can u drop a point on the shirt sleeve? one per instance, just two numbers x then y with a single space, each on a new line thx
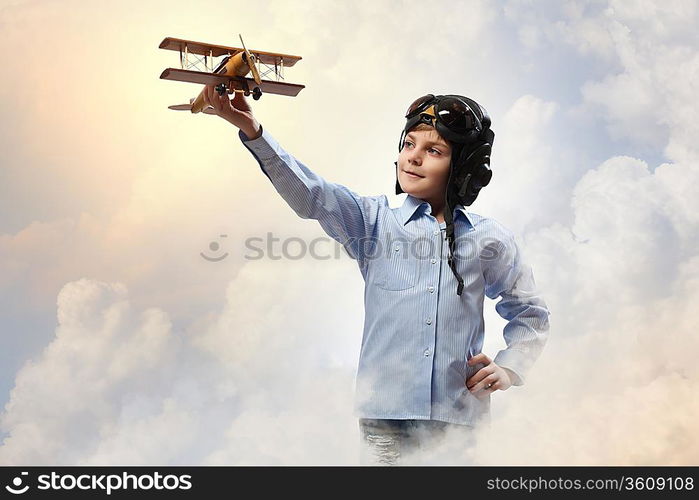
343 214
508 276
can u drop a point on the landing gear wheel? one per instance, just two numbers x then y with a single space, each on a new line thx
221 89
256 93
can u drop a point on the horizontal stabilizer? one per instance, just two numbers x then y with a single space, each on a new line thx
188 107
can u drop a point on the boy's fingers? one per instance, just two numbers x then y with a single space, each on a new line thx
489 379
225 100
240 103
477 377
215 99
479 358
207 96
235 101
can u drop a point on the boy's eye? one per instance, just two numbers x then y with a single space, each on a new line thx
408 143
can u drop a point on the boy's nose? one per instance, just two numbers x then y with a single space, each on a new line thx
414 157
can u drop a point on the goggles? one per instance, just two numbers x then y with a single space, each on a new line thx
450 115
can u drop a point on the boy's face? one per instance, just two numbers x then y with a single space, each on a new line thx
427 154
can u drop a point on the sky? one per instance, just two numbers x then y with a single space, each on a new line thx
121 344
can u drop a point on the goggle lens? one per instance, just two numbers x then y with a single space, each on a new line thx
456 115
451 111
420 104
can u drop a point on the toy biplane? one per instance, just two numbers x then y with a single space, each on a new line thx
229 75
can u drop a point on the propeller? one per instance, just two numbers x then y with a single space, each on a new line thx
251 62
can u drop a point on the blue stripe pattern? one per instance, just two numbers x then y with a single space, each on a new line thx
418 333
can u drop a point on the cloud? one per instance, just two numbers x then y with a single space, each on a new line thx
645 96
83 380
524 164
119 385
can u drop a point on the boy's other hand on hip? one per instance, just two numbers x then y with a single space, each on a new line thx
490 378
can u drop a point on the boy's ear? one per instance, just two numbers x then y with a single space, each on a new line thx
485 117
489 136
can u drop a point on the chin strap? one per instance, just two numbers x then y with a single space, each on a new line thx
449 219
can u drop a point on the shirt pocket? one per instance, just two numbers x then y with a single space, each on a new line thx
398 270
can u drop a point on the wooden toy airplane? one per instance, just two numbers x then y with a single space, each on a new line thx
230 73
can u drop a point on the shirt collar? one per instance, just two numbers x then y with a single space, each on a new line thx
411 204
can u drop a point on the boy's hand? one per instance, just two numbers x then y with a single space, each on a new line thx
493 374
236 110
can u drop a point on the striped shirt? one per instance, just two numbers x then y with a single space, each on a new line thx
418 333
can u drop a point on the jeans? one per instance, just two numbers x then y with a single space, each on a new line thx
398 442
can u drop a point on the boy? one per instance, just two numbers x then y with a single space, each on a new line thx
421 369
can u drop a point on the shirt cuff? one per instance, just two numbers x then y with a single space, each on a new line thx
264 147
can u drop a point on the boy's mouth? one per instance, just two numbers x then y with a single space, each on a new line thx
411 174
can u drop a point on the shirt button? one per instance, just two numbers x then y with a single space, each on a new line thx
431 289
397 249
433 261
429 321
436 232
427 352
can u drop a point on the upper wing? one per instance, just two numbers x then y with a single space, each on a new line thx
206 49
186 75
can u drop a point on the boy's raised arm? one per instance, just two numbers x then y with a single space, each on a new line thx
344 215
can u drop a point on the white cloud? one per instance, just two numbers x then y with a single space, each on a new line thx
118 385
524 167
63 402
650 49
